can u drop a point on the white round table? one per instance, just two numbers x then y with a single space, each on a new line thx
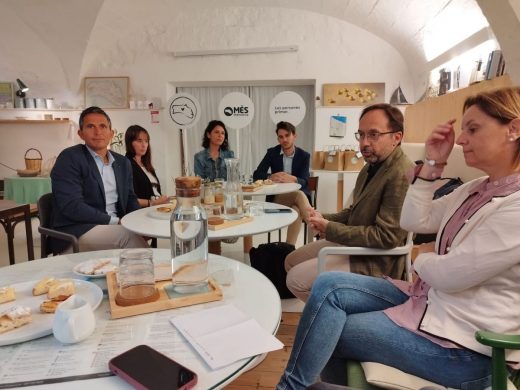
141 222
45 358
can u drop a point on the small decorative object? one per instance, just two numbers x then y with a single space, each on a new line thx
34 163
444 81
398 97
22 88
117 144
6 93
353 94
106 92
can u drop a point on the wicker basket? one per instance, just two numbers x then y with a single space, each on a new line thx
33 163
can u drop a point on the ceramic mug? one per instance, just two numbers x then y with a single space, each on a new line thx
74 320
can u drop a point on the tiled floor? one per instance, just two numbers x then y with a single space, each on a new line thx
233 251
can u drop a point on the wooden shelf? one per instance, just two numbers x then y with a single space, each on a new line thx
33 121
420 118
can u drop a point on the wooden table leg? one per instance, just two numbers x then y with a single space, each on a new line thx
28 233
339 202
248 243
215 247
10 240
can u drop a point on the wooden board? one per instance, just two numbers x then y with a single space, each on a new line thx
163 303
251 188
230 223
422 117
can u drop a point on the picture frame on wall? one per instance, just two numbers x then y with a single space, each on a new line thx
6 93
107 92
353 94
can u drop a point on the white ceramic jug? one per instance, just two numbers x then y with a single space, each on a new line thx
74 320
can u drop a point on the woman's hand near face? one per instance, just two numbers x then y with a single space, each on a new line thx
440 142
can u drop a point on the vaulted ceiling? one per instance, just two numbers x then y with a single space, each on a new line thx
421 30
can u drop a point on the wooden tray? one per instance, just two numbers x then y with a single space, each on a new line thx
251 187
163 303
230 223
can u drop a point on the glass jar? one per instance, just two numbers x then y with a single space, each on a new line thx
233 199
189 236
209 193
136 277
219 191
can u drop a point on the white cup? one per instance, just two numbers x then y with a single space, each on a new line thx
74 320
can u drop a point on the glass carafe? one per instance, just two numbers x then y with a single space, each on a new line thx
189 236
233 200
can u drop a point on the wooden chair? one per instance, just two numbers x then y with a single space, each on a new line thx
10 215
46 232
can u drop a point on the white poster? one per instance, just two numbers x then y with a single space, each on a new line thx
338 126
184 110
236 110
287 106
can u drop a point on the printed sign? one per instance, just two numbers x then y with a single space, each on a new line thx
184 110
287 106
236 110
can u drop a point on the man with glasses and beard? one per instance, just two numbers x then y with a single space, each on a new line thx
372 220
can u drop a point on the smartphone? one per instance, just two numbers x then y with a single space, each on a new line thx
145 368
273 211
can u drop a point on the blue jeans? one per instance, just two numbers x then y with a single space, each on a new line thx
343 319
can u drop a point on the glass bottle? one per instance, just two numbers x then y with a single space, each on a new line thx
233 199
189 236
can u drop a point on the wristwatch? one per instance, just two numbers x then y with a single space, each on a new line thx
434 163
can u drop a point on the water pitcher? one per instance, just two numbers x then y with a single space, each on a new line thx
189 236
233 200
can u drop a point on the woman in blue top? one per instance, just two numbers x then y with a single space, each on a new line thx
209 163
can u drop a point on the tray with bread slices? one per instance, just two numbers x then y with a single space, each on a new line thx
27 309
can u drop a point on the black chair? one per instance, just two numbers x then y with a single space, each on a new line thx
312 183
46 232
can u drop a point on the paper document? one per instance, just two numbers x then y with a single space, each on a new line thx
224 334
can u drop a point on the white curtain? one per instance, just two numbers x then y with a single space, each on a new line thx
254 139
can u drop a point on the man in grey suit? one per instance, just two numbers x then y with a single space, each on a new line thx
373 218
93 188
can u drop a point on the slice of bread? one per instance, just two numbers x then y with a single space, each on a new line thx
14 317
42 287
61 290
7 294
49 306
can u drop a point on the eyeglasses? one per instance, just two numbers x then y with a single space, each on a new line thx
371 135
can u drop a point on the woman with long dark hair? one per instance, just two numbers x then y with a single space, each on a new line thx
146 183
209 163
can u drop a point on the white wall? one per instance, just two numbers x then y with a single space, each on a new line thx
137 42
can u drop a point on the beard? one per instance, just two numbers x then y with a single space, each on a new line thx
369 156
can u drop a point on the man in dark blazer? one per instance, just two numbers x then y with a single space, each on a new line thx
373 218
288 164
93 188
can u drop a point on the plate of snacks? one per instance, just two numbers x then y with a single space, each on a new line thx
96 268
163 211
27 309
